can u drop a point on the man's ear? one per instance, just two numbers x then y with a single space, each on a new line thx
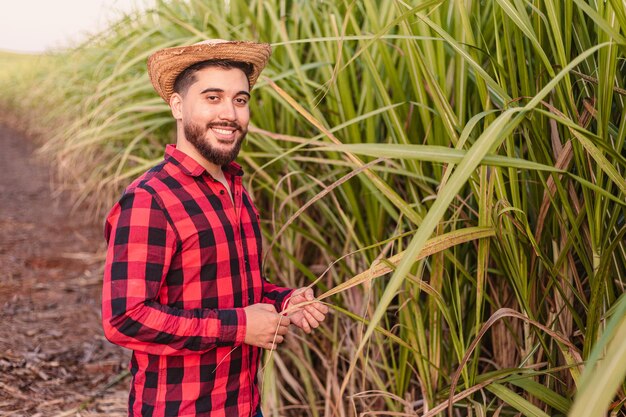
176 104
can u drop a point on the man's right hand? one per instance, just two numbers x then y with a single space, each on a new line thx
265 328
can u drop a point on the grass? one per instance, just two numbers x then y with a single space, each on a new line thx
10 60
378 127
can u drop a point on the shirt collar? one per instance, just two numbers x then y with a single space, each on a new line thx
191 167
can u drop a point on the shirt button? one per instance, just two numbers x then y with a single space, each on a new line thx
222 192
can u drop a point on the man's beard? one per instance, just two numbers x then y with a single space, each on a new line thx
196 136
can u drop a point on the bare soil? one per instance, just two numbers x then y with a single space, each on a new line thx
54 359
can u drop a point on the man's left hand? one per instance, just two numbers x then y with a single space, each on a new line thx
309 316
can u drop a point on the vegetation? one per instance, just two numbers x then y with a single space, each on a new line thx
463 160
9 61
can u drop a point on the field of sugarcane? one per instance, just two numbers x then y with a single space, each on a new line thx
448 174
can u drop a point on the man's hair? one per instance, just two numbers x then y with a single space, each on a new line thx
187 77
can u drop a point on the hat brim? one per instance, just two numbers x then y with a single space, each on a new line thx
166 64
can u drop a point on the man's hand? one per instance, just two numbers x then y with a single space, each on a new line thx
311 315
265 328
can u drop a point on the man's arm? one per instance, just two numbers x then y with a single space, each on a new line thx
275 295
141 243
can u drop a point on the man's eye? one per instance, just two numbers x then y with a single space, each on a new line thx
212 98
241 101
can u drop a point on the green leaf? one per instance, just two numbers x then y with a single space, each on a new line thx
516 401
541 392
605 370
433 153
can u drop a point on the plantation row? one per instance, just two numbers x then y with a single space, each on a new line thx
450 175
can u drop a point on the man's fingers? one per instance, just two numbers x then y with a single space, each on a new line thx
308 313
273 344
315 312
277 340
308 294
282 327
311 320
321 307
282 330
284 320
305 326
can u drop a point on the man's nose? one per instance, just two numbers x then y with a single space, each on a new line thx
227 111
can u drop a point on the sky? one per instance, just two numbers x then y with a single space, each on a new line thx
43 25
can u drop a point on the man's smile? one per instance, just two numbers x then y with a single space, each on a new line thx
224 133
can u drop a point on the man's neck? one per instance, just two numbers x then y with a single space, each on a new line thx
188 149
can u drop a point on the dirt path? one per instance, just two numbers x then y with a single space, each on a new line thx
54 360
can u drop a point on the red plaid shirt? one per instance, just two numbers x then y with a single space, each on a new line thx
182 262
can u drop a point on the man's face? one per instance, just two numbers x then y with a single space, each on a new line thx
215 113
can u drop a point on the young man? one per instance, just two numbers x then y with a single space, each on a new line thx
182 284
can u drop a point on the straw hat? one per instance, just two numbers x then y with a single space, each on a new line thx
166 64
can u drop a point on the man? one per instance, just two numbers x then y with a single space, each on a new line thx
182 284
